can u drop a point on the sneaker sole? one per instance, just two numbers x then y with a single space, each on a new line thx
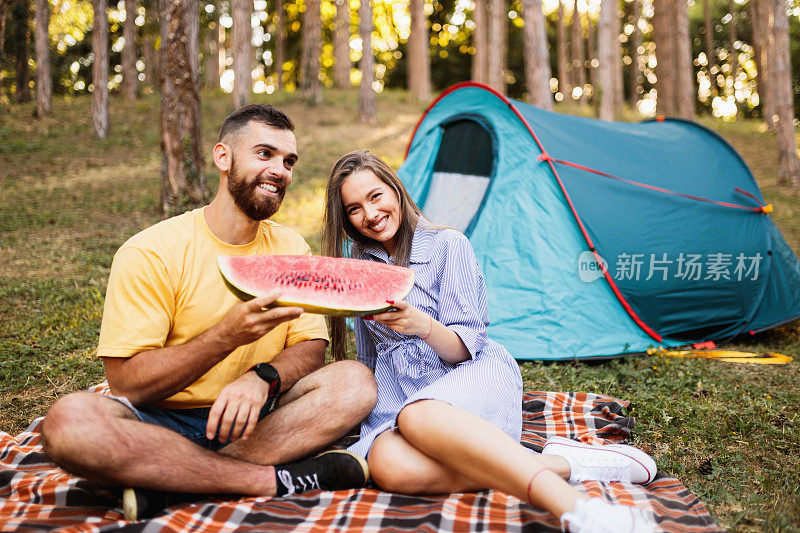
361 462
130 506
636 455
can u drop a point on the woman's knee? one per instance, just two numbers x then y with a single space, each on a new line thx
392 470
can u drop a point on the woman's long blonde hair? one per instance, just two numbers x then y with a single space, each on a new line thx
337 229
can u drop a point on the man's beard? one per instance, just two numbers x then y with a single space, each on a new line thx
245 196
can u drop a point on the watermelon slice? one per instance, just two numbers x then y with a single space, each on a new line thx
322 285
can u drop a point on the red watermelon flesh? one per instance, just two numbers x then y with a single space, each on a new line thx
323 285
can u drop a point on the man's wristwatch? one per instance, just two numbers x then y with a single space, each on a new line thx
268 373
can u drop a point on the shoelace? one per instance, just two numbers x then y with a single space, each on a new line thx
286 478
602 470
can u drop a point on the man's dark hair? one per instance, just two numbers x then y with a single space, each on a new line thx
263 113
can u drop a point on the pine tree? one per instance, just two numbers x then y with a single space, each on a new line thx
44 82
242 51
100 69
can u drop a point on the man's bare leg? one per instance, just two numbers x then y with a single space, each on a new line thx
101 439
316 411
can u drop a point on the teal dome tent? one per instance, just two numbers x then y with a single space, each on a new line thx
601 238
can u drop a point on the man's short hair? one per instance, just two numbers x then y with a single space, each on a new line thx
263 113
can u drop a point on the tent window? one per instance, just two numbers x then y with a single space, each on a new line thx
461 175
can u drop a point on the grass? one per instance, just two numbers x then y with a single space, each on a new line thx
67 201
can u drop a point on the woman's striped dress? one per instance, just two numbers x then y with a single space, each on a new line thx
449 286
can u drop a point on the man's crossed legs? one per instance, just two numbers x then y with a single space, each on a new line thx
102 439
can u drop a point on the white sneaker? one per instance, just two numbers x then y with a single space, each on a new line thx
603 462
595 515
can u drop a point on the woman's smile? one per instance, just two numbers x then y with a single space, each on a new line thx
372 207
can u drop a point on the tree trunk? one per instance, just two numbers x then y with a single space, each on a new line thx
684 66
242 52
591 53
3 10
734 38
129 74
781 69
100 69
480 40
619 81
663 33
341 45
21 10
537 61
211 55
183 181
419 63
564 84
635 42
280 42
769 102
309 61
711 55
758 50
578 52
151 28
366 102
605 56
44 81
495 52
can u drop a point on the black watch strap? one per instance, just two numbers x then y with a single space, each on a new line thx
269 373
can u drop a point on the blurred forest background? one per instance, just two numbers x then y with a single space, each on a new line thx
107 121
723 58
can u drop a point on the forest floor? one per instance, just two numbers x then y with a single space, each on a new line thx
730 432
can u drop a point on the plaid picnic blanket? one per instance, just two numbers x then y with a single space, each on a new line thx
36 495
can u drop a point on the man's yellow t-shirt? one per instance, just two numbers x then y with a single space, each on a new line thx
164 289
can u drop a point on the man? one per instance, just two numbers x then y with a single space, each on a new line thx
213 395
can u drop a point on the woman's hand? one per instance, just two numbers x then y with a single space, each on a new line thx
407 320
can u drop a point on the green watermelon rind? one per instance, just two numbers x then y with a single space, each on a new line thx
309 308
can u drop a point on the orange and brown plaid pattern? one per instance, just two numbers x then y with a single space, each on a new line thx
36 495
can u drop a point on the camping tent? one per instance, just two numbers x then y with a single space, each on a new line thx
601 238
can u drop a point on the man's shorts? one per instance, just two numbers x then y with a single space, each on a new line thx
189 423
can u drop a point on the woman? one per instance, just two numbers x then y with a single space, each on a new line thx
449 411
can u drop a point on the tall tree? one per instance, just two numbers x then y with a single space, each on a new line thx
782 90
44 82
605 55
100 69
578 51
684 69
663 36
309 61
734 37
21 12
591 51
366 101
480 41
183 181
212 48
564 84
3 10
537 61
242 51
619 76
498 13
419 63
711 55
341 45
130 79
280 42
149 53
767 66
759 51
635 42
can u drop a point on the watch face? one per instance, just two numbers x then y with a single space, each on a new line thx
266 372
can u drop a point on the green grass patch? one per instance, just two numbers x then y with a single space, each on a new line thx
730 432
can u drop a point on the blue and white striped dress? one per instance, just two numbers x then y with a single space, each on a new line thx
449 286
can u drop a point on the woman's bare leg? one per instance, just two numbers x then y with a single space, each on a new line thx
479 451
